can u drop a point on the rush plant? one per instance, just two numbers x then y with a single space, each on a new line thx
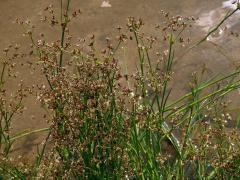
104 124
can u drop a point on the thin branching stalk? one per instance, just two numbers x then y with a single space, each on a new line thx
64 22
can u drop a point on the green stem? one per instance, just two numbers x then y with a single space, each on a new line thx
228 15
64 25
199 89
23 134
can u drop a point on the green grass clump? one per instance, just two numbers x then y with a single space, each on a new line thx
107 125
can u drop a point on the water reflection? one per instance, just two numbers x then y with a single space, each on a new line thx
207 20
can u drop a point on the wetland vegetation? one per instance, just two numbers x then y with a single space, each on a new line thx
107 123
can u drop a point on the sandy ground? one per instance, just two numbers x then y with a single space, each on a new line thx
101 22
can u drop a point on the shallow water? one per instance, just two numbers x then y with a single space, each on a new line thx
208 20
219 54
